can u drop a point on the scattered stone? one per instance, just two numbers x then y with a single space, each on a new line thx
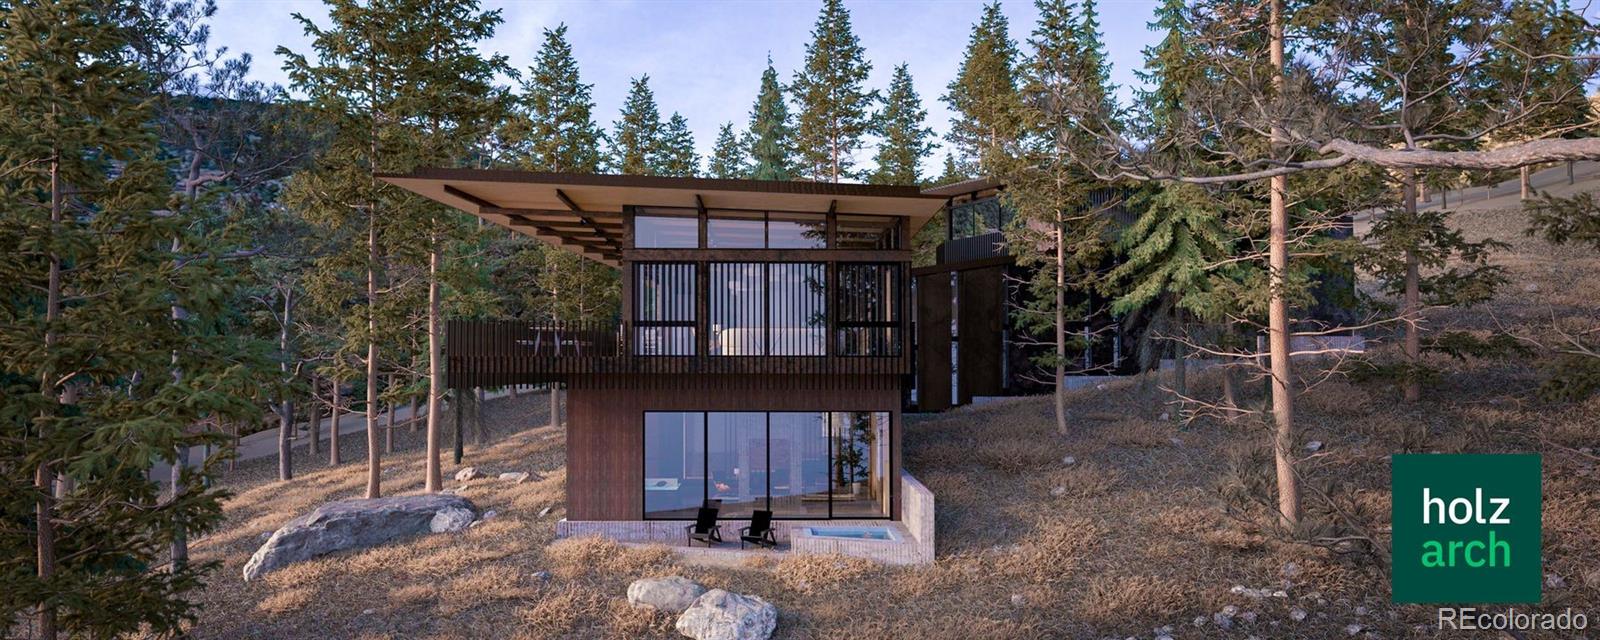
1164 630
672 594
1249 617
1058 491
541 575
1361 611
368 612
1280 594
1290 569
1163 636
490 514
1017 600
544 512
1592 578
1101 387
1297 614
719 615
1352 629
1314 446
1531 287
1230 611
1554 581
1223 621
466 473
515 477
1199 621
1176 441
1164 416
358 524
1069 461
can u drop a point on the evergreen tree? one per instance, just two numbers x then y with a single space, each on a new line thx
728 155
555 125
403 85
904 139
951 173
984 93
636 137
835 106
1056 232
676 156
771 141
88 337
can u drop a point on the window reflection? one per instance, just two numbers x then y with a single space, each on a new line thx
799 444
797 230
666 230
860 464
674 464
768 309
868 232
736 462
736 230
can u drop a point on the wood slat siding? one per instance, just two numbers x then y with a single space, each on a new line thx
933 342
981 312
605 432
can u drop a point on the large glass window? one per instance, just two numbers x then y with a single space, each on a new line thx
736 230
736 462
664 309
768 308
674 464
860 464
796 230
821 464
978 217
868 232
666 229
868 300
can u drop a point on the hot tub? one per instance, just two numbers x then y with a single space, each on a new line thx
881 534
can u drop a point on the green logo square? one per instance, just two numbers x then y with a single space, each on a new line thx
1466 529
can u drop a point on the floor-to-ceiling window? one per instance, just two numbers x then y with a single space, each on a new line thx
796 464
674 463
768 309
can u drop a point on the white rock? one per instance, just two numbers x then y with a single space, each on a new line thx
1199 621
1017 600
1164 416
1058 491
544 512
1230 611
451 520
1352 629
719 615
490 514
357 524
1222 620
1297 614
1249 617
1069 461
671 594
1314 446
541 575
1554 581
1531 287
466 473
1361 611
515 477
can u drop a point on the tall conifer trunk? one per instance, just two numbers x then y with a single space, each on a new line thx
1278 309
1412 312
286 407
434 482
333 423
45 540
1061 324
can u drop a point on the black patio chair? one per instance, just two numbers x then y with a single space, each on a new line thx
704 529
759 532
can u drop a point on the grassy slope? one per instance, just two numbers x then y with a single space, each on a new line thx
1142 537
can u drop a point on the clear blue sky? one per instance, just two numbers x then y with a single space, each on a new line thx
705 58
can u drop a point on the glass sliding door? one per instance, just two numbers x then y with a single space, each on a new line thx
674 464
860 471
736 462
798 464
799 443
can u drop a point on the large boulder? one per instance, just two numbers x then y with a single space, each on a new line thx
672 594
358 524
720 615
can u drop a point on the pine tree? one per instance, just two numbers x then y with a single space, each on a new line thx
835 106
402 83
728 155
676 156
771 141
1056 232
555 120
984 94
951 173
904 139
636 137
88 339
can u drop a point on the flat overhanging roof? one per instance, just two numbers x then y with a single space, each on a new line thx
583 212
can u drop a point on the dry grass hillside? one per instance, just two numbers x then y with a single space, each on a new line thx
1151 529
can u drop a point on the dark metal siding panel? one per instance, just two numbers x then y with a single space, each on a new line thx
933 342
981 313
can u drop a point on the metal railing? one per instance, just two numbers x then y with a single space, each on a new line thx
492 353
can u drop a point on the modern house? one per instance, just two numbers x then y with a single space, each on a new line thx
967 343
759 358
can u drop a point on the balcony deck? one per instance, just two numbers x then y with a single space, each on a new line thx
493 353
